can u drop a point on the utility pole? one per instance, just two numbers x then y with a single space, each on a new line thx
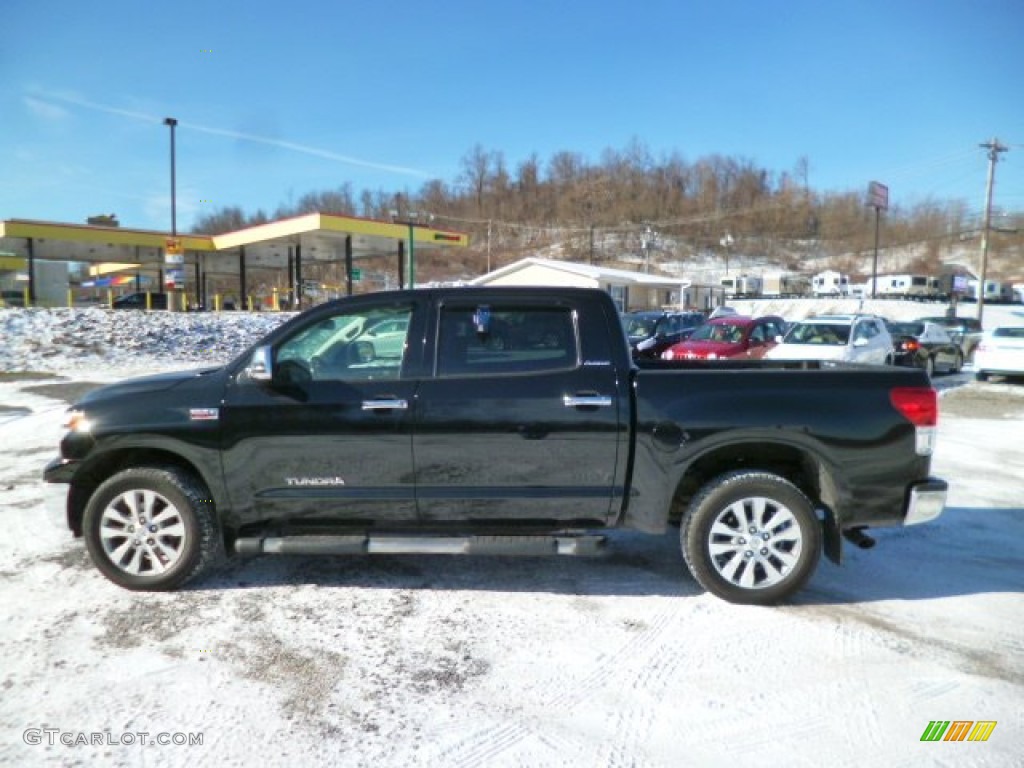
994 148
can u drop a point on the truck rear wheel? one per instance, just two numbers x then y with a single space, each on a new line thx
751 537
152 528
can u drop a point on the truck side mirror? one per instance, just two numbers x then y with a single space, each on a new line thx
260 367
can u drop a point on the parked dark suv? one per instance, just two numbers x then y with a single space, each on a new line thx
652 332
138 301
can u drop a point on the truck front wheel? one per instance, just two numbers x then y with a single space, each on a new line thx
751 537
152 528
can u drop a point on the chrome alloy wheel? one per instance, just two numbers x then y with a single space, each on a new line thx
142 533
755 542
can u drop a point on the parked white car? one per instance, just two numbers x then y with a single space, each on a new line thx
1000 352
846 338
388 337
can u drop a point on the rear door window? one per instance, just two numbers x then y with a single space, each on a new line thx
506 340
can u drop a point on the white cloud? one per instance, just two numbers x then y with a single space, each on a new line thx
45 110
238 135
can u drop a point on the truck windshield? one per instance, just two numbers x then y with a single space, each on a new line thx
639 327
818 333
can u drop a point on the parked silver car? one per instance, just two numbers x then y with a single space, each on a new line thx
846 338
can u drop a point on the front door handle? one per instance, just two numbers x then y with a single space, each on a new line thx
386 404
586 401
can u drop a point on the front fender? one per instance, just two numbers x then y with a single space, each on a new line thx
109 457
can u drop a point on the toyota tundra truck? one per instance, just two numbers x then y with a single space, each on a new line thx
508 421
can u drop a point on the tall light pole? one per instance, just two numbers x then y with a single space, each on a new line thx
170 121
178 261
725 242
648 238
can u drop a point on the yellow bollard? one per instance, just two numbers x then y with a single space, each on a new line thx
216 302
71 299
273 301
149 301
248 302
110 298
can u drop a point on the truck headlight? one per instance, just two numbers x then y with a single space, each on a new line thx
77 421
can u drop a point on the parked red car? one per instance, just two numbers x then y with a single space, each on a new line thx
729 336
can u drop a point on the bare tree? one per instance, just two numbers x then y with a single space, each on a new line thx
227 219
476 165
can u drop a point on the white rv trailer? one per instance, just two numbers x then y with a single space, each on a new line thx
785 284
830 283
996 292
906 287
742 286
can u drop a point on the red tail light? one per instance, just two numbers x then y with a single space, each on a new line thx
919 405
910 345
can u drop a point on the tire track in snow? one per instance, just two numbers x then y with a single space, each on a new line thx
484 745
634 722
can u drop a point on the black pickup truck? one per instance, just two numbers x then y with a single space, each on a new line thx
504 421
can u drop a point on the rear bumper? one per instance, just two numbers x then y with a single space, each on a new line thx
925 501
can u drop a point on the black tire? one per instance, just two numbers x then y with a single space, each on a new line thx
174 511
981 375
929 366
786 531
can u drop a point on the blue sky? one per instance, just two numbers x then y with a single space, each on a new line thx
277 99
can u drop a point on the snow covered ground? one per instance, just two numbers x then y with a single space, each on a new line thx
435 661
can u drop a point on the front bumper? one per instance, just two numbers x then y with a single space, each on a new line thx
925 501
55 490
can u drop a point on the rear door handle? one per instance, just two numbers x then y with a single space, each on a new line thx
386 404
586 401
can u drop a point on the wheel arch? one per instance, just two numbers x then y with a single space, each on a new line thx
90 476
798 464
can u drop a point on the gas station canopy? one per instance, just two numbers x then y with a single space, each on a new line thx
312 237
